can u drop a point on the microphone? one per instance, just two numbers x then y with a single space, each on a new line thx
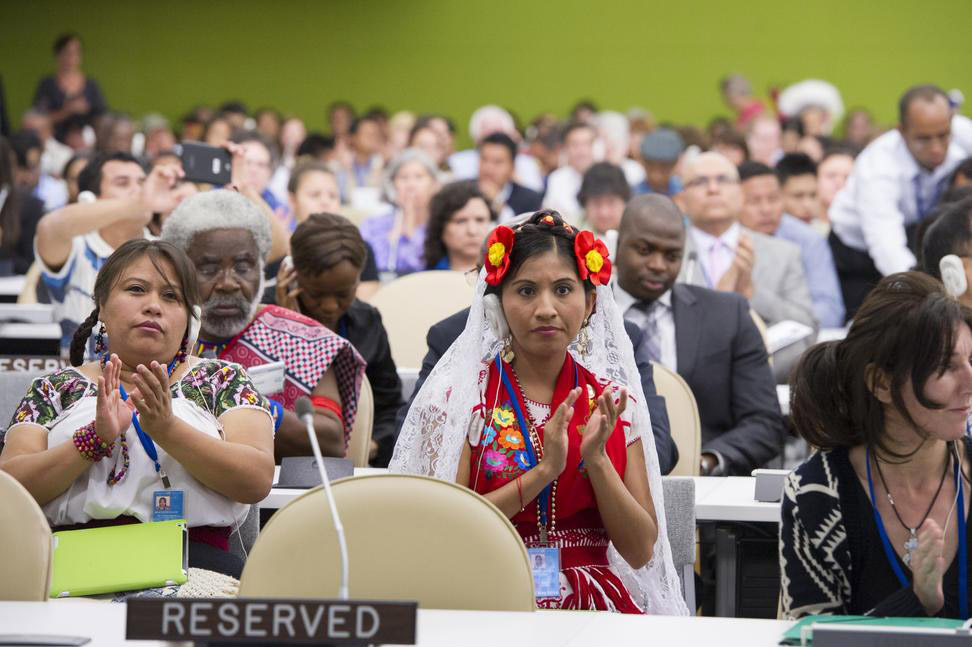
305 411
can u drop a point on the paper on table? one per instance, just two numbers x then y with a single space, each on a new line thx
786 333
792 635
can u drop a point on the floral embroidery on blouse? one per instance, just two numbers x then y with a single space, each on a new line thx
504 455
212 385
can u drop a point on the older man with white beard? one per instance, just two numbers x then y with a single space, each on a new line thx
228 239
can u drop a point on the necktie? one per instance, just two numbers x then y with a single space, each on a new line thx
652 339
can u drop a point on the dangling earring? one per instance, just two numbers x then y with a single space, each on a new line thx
508 354
100 349
183 349
584 339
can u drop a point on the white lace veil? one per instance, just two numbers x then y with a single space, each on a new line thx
441 417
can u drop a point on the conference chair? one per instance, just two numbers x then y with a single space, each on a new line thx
408 377
679 493
13 388
763 332
412 304
683 418
25 561
408 537
359 445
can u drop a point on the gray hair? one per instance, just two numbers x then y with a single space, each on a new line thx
396 164
217 209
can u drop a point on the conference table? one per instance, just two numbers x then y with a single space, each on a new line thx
104 623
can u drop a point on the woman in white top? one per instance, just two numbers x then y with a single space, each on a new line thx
82 439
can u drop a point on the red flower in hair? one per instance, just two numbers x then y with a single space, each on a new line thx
498 249
592 258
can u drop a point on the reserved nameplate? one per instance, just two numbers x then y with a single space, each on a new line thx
336 622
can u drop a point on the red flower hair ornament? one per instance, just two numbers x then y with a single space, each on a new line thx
498 248
592 259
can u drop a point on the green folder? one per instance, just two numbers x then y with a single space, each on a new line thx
129 557
792 635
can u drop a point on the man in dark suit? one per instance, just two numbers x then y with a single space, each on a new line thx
442 334
708 337
497 160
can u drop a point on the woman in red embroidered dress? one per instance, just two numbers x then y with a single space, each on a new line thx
554 454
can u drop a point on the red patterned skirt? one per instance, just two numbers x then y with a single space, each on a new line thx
587 582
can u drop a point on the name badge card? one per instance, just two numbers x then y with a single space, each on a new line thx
545 563
168 505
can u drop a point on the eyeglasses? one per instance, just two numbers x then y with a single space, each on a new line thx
719 180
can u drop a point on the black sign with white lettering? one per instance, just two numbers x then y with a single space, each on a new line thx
213 620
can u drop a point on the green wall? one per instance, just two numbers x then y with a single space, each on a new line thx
452 56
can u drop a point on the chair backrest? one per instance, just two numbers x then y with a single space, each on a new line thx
25 562
13 388
412 304
243 536
679 492
763 332
409 538
409 378
360 443
683 418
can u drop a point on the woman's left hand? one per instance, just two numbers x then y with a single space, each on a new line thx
287 290
152 398
601 425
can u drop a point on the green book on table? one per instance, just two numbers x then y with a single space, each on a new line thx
794 633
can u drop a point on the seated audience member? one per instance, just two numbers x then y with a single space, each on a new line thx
258 166
564 183
660 151
28 151
763 212
19 214
267 122
318 148
313 188
398 235
73 243
398 129
832 172
732 145
497 156
55 154
797 174
72 173
708 337
950 234
603 194
962 176
604 514
460 217
363 165
228 239
427 137
544 143
69 91
724 255
159 137
859 128
614 132
869 521
484 122
896 181
737 93
218 132
73 441
328 255
114 132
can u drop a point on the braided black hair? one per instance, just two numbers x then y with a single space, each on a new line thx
80 340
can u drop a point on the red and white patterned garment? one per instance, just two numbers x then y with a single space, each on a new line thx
307 350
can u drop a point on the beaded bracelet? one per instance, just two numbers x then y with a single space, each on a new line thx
90 445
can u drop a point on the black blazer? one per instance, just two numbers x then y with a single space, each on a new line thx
722 356
522 200
442 334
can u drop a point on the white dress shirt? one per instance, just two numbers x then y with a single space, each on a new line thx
562 188
657 320
715 254
888 190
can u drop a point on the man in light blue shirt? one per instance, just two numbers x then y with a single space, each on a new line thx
763 212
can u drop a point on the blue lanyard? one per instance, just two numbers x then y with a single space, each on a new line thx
147 443
962 554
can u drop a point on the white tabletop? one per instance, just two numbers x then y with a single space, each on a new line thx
104 623
717 498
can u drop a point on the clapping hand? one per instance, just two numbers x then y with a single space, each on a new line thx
928 565
601 425
555 435
113 415
152 398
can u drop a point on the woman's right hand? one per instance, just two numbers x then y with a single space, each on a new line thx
555 436
928 565
113 414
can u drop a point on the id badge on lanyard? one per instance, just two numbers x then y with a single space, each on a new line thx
545 563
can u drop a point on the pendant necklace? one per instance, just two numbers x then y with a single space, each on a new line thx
911 545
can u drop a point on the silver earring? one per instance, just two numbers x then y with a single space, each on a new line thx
508 353
584 340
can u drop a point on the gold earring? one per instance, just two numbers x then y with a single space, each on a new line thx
508 353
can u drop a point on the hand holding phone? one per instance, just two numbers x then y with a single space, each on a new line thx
206 164
287 289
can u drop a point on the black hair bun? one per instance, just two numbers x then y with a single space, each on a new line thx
548 219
